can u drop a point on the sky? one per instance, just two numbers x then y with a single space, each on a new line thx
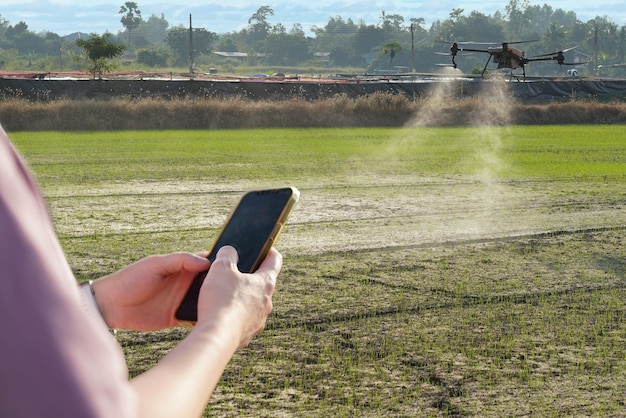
64 17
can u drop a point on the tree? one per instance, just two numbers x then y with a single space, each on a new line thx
391 22
478 26
154 30
16 30
555 37
156 56
391 48
131 18
4 24
28 42
258 26
366 38
517 12
337 38
227 44
286 48
418 23
99 49
178 41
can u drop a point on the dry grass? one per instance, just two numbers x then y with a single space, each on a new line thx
378 109
571 113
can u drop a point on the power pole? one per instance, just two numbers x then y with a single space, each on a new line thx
412 51
190 48
595 48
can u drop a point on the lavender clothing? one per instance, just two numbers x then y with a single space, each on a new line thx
55 361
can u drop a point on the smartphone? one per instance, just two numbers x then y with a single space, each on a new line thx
252 228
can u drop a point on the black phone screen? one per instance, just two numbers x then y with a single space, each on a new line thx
251 230
251 225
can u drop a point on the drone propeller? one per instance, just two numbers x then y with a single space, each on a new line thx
457 42
520 42
557 52
571 63
493 43
558 56
611 65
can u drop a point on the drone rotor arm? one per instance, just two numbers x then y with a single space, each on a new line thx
541 58
473 50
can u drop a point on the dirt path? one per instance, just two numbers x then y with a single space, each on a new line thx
362 217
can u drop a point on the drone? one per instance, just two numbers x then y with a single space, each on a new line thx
505 56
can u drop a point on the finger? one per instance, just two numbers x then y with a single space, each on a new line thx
227 255
176 262
196 262
271 265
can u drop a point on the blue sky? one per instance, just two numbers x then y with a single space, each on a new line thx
67 16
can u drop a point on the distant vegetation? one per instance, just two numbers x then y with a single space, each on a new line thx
154 44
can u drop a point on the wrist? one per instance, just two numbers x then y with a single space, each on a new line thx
89 303
225 324
99 296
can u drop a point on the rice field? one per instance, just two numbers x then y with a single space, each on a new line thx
474 271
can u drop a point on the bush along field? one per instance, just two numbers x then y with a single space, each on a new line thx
472 271
381 109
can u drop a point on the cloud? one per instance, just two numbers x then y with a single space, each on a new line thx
67 16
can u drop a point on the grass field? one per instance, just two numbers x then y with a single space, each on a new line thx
428 271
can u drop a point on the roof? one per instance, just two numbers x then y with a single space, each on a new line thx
229 54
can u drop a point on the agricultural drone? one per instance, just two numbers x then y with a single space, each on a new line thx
505 56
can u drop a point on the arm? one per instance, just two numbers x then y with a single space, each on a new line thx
58 363
232 309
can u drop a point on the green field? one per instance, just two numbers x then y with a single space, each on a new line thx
428 271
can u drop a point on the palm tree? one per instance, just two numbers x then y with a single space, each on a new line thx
131 18
391 48
555 36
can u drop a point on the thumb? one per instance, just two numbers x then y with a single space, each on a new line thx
227 255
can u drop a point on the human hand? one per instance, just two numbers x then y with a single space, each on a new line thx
243 300
145 295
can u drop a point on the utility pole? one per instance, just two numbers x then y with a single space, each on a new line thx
412 51
595 47
190 48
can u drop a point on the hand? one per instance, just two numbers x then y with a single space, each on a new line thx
145 295
243 300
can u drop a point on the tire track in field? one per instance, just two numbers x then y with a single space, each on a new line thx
488 240
175 187
320 322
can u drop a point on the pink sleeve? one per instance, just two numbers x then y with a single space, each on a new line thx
54 361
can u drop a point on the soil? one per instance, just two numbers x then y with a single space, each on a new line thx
370 214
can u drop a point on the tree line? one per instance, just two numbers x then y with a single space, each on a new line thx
395 41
